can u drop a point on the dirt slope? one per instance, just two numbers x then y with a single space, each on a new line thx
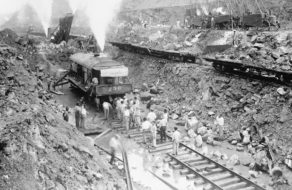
38 150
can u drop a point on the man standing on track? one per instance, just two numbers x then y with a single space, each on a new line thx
153 130
126 118
175 140
146 125
163 126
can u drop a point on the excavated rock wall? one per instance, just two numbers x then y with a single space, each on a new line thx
199 88
38 150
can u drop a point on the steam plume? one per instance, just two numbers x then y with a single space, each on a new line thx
100 14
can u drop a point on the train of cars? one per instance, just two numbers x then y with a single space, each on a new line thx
221 65
230 21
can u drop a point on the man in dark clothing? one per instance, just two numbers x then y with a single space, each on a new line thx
66 114
77 115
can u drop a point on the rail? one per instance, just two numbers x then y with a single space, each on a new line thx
222 65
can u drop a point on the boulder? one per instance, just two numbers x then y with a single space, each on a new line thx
253 174
174 116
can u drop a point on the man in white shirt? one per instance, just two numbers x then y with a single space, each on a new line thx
165 114
137 116
219 123
151 115
175 140
83 116
153 130
146 125
126 118
118 108
106 109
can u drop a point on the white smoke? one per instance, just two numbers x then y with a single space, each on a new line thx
74 5
219 10
205 10
100 14
43 9
10 6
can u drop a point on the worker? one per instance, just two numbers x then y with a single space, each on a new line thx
106 109
165 115
137 116
83 116
199 142
219 123
162 130
153 130
123 107
115 145
151 116
132 111
118 108
126 118
175 139
191 123
49 82
192 135
77 115
245 136
82 100
66 114
145 128
137 101
94 82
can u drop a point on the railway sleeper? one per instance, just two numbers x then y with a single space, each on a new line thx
188 158
213 171
236 186
155 150
228 181
162 151
205 166
197 163
177 166
191 176
185 172
219 177
248 188
137 135
182 155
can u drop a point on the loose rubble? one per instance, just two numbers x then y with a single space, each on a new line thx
38 150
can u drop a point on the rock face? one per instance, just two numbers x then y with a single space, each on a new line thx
38 150
198 88
268 50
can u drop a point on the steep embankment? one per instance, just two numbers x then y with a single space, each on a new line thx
38 150
199 88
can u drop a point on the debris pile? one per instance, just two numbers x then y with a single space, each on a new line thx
267 50
38 150
188 88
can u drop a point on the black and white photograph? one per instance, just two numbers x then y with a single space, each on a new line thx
145 94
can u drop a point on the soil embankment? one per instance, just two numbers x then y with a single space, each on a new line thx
38 150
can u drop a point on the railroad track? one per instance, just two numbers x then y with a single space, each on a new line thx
221 65
205 172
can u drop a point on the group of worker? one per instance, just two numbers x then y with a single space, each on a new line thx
128 111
